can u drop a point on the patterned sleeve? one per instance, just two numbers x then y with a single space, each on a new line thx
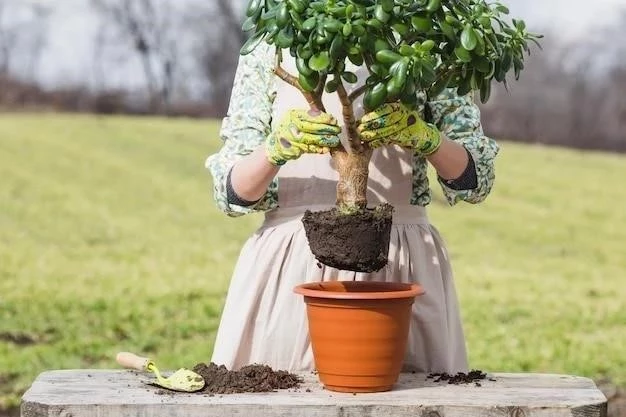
458 117
245 127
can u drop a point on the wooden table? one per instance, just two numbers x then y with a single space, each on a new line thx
109 393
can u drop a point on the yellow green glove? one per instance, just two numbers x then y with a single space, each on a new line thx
299 132
394 123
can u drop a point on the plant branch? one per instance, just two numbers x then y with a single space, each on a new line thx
348 118
288 78
312 99
357 92
319 90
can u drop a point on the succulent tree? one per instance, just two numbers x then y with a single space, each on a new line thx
406 45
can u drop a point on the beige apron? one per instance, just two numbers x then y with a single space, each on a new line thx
263 321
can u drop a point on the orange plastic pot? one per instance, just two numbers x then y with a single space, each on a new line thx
359 332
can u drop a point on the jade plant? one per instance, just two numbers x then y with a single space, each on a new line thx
407 46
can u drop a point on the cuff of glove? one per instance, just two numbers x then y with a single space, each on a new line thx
430 140
270 152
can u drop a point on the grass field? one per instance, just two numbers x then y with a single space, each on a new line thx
109 240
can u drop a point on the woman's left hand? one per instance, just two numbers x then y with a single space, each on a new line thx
394 123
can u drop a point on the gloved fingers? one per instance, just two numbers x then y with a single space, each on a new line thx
381 111
320 123
316 128
382 133
329 140
377 143
379 122
317 149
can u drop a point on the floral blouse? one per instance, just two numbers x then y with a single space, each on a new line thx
249 116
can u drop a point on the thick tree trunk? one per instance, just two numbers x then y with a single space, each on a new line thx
353 170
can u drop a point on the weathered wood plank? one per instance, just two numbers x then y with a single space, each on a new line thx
123 393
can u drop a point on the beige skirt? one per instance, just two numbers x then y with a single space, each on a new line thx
264 321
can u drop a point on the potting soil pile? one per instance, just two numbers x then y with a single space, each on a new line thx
250 378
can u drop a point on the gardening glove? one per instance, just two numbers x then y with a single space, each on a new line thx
394 123
302 131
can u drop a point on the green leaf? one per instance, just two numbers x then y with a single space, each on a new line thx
485 91
359 28
284 39
421 23
464 86
356 59
428 75
409 100
309 83
485 21
401 28
427 45
319 61
379 70
302 67
333 25
381 45
400 72
387 57
433 6
252 43
469 38
253 7
407 50
347 30
331 86
481 63
502 8
296 19
440 85
350 10
387 5
448 30
375 23
249 24
298 5
381 14
463 54
336 49
375 97
282 16
507 60
350 77
309 24
304 52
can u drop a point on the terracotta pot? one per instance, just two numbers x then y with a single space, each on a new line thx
359 332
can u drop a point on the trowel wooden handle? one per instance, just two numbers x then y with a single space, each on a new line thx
132 361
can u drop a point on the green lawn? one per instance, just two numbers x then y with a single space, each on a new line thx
109 240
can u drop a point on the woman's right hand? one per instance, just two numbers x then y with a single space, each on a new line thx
299 132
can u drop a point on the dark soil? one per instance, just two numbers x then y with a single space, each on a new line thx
250 378
473 376
352 242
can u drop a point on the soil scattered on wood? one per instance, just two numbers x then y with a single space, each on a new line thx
250 378
460 378
352 242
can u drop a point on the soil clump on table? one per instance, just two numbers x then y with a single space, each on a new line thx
459 378
251 378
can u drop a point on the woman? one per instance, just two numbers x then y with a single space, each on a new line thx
275 159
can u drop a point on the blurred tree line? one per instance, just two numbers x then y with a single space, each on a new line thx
187 52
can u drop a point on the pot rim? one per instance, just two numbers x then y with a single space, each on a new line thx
317 290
